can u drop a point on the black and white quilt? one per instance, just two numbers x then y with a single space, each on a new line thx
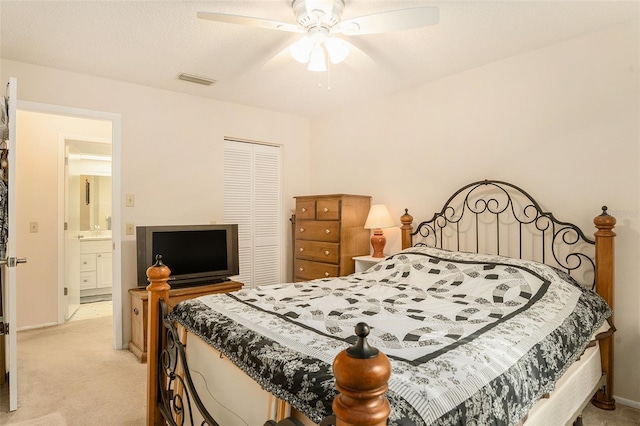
472 338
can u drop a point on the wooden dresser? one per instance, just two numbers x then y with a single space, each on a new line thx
139 309
329 232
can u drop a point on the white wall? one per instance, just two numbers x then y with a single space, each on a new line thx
561 122
172 159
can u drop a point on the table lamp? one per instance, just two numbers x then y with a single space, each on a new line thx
378 218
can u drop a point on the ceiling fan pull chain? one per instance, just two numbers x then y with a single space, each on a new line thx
328 76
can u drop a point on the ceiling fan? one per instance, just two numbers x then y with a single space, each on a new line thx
321 22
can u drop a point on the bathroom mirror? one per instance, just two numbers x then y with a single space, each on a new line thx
95 203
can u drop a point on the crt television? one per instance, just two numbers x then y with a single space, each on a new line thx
195 254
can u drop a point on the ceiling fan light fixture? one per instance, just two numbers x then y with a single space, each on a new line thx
337 49
317 62
301 49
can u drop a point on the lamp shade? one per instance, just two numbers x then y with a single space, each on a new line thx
379 217
317 61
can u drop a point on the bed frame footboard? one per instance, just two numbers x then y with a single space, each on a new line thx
361 372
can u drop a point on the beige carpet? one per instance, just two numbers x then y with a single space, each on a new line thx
71 375
54 419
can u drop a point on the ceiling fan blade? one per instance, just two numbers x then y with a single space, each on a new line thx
250 21
394 20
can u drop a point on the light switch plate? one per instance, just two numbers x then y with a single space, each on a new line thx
130 200
130 228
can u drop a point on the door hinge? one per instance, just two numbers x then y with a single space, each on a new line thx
66 291
4 328
66 226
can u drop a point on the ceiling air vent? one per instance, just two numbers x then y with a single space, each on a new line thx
196 79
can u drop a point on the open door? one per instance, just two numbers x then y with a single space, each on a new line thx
10 262
72 233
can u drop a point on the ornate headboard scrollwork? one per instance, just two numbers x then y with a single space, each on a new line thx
496 217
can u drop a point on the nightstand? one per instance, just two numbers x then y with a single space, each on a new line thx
139 309
365 262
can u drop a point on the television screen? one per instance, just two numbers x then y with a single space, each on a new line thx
195 254
192 252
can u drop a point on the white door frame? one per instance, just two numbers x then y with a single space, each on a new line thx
116 126
63 273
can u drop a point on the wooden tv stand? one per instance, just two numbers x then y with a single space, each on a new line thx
139 309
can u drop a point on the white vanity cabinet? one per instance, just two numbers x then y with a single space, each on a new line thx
95 265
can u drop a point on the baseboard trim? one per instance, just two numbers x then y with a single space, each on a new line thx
627 402
32 327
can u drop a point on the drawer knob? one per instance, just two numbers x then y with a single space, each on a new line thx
326 210
300 269
328 231
304 210
327 252
326 274
301 249
301 229
136 311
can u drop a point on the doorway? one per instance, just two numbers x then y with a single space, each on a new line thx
68 140
88 276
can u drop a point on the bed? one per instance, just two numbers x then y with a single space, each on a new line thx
494 312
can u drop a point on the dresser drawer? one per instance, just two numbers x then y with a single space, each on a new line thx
308 270
318 231
318 251
328 210
306 209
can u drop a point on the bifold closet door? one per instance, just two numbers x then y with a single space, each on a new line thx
252 189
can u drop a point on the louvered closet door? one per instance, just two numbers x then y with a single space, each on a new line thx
252 200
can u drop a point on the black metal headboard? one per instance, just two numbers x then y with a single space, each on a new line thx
496 217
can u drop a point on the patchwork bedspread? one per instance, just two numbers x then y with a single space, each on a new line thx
471 338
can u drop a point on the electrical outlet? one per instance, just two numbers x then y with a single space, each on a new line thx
130 228
33 226
130 200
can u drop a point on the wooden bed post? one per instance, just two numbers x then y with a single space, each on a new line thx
406 229
604 287
361 373
158 275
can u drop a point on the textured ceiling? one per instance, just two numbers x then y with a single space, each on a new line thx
151 42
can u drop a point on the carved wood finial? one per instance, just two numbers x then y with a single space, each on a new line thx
406 229
362 373
605 223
